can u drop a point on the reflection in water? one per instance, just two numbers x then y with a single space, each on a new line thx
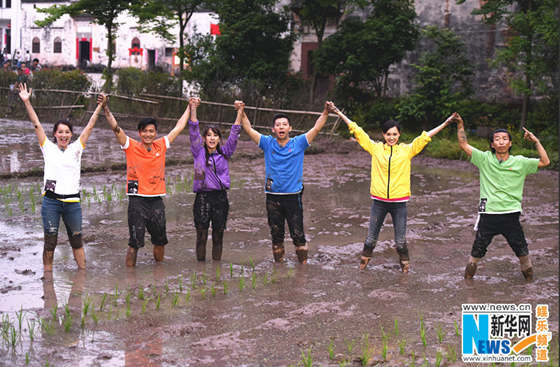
15 164
75 296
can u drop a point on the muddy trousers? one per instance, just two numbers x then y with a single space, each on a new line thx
281 209
146 213
379 210
210 207
509 226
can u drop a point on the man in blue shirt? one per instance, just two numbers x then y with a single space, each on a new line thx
283 157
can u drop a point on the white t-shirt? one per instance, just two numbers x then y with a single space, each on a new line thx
62 168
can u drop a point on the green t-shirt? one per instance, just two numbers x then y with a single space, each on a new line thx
501 184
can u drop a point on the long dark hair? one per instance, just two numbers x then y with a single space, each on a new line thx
61 122
216 130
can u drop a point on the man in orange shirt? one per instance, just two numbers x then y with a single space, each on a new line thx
145 162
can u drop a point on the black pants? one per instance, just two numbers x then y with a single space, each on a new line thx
507 225
288 208
211 206
146 213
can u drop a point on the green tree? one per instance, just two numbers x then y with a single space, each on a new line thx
254 46
531 45
104 12
159 16
360 53
442 79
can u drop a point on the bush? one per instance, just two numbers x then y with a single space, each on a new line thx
130 81
74 80
7 78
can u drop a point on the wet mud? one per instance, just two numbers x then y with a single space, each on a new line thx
248 311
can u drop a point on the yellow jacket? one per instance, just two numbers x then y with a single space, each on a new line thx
390 166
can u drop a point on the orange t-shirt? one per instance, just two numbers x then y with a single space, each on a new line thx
145 172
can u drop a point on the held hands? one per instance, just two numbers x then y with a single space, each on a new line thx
457 118
451 118
102 99
240 107
529 136
329 106
23 93
194 102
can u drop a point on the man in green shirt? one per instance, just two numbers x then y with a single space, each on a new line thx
502 177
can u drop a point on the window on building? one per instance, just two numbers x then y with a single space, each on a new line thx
169 51
8 3
36 48
135 44
57 45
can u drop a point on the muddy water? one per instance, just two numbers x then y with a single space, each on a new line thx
296 308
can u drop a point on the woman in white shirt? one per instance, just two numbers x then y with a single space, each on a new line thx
61 190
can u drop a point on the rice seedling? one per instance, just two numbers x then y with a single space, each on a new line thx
457 329
31 329
141 294
439 358
204 277
366 351
103 301
344 363
67 323
203 292
158 301
254 279
225 286
87 304
213 290
265 280
188 295
307 361
384 350
451 353
154 290
33 205
54 310
94 316
193 279
413 360
47 364
67 309
180 281
230 270
290 269
144 304
166 286
440 334
396 327
128 310
274 276
402 345
83 322
330 349
116 296
241 283
27 358
49 329
426 363
13 337
350 344
19 316
423 330
175 299
251 263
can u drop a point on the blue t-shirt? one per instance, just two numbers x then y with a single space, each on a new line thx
283 165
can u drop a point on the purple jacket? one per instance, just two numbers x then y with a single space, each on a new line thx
215 175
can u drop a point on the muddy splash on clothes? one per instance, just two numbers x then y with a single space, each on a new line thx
248 311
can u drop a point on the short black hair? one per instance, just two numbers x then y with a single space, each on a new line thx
35 60
492 138
279 116
389 125
145 122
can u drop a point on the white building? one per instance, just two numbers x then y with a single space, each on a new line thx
10 25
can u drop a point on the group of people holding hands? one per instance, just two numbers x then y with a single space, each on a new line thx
501 178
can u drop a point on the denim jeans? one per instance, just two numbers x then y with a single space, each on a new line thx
71 213
379 210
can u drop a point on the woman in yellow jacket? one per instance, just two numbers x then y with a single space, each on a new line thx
390 181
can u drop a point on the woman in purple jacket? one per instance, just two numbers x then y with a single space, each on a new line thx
211 180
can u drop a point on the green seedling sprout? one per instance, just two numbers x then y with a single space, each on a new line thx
384 349
87 303
188 295
83 323
128 311
19 316
193 279
13 337
144 304
154 294
180 281
27 358
175 299
344 363
213 289
158 301
203 292
241 283
251 263
426 363
225 286
413 360
265 280
330 349
94 316
47 326
307 361
230 270
350 345
116 296
254 281
103 301
440 334
67 323
451 353
402 345
290 269
141 295
274 276
439 359
396 327
422 330
457 329
54 310
67 309
366 351
31 328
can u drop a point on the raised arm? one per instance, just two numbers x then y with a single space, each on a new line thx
246 124
334 109
314 131
437 129
173 134
84 136
25 95
540 149
462 136
121 136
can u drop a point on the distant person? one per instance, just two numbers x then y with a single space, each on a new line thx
283 159
8 57
35 66
20 58
6 66
27 58
21 80
390 182
145 161
502 177
211 181
61 181
25 69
